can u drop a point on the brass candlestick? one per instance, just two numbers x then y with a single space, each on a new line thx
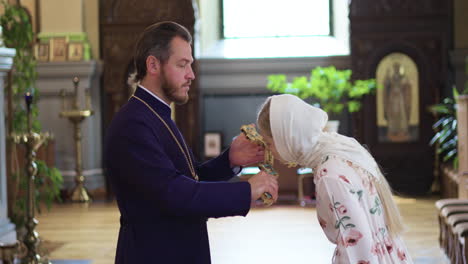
77 116
32 141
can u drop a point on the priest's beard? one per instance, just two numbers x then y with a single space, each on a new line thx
171 89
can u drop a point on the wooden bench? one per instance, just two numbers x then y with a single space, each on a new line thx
453 244
446 208
460 233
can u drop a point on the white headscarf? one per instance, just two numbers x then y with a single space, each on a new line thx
297 129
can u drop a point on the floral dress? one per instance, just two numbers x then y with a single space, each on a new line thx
350 213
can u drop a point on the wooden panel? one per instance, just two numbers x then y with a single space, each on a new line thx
420 30
398 8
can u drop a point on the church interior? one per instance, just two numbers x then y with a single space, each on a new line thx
64 71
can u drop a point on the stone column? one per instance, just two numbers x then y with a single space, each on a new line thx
52 77
462 127
7 229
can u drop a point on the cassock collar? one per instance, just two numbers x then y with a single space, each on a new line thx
156 104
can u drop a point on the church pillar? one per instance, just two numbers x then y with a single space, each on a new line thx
53 77
7 229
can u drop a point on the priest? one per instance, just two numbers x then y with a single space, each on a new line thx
164 195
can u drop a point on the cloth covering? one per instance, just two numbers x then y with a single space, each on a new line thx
297 129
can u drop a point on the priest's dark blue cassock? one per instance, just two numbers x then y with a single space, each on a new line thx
163 209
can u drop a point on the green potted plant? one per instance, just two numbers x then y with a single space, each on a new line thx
18 34
445 139
332 88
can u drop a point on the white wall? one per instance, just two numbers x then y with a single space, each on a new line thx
7 229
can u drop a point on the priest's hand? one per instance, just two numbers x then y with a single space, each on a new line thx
244 151
261 183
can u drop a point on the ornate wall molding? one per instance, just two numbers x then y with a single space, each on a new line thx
248 76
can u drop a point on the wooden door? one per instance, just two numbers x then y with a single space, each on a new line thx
121 22
406 45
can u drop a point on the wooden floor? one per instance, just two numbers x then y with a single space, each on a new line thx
280 234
